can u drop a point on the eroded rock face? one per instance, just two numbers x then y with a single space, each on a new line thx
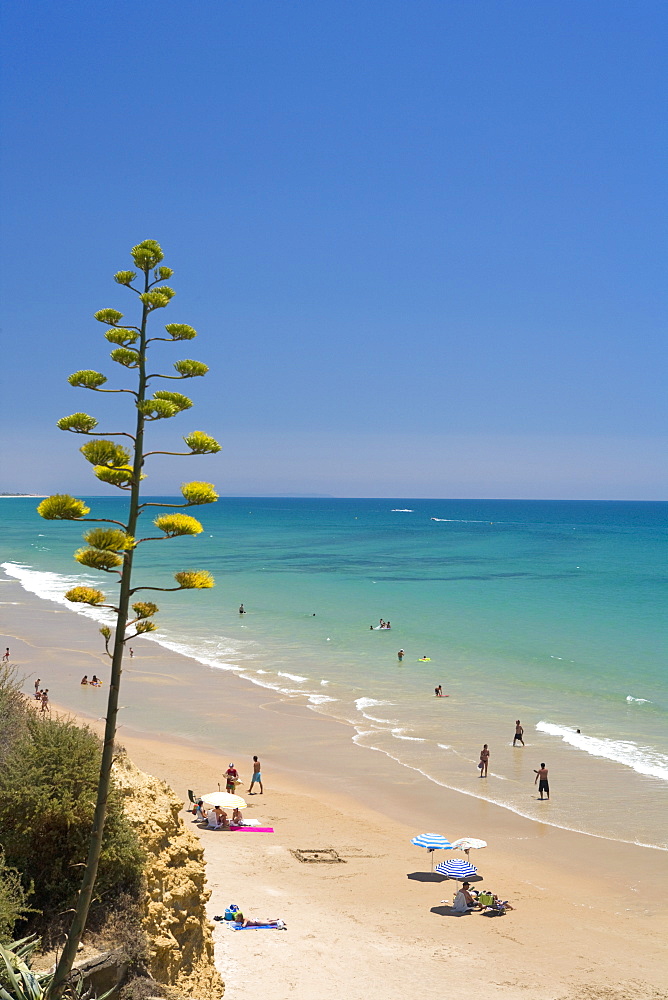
181 942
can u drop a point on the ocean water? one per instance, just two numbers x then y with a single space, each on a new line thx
551 612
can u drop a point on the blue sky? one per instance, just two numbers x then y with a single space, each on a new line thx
423 243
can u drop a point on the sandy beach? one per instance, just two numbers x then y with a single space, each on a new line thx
590 914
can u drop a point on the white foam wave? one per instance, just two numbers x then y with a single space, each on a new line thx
293 677
319 699
324 683
399 735
643 701
362 703
644 760
402 510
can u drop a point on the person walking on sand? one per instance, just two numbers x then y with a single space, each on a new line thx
45 700
231 778
131 651
519 732
257 776
6 656
484 758
543 784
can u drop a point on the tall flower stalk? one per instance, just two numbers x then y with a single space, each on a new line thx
111 549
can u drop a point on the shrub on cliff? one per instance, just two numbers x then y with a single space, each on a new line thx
48 787
13 710
13 900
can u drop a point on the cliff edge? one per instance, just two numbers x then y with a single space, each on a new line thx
181 942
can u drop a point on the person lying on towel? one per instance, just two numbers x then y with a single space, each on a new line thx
240 922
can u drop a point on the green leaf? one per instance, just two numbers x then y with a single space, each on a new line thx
85 595
201 444
121 477
177 398
195 579
111 317
126 356
197 493
98 559
165 290
79 423
87 379
125 277
109 539
62 507
158 409
145 626
121 336
190 369
180 331
145 609
101 452
147 254
154 300
175 525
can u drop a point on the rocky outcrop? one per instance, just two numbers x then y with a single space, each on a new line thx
181 942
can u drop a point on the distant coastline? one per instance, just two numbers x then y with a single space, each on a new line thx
18 496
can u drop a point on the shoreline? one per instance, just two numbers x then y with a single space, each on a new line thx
321 790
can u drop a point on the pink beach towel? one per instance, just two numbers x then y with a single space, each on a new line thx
252 829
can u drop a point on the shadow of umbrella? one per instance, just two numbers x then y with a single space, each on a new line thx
426 877
447 911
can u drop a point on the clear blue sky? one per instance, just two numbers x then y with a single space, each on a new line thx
423 242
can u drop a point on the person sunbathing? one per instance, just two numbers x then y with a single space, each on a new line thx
464 900
240 922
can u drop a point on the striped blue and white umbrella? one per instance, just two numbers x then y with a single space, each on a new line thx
456 868
432 842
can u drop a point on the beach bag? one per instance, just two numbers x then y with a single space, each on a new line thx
480 766
231 911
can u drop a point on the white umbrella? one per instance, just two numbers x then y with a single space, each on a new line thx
467 844
225 800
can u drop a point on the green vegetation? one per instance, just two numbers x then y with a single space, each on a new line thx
112 551
48 786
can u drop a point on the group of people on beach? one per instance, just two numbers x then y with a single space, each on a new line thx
541 778
41 696
93 682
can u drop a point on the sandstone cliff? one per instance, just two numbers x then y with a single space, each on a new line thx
181 943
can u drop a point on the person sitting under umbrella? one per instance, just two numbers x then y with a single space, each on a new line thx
464 900
218 819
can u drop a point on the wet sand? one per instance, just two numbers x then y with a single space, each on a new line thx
590 917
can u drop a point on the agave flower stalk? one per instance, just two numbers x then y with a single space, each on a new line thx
111 550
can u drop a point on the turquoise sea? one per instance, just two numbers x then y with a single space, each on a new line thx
553 612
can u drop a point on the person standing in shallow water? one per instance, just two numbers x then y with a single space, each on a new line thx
484 759
541 779
519 732
400 655
242 610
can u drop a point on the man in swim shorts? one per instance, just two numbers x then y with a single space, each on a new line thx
519 732
257 776
400 655
543 784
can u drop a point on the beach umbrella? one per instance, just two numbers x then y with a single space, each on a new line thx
467 844
432 842
225 800
456 868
